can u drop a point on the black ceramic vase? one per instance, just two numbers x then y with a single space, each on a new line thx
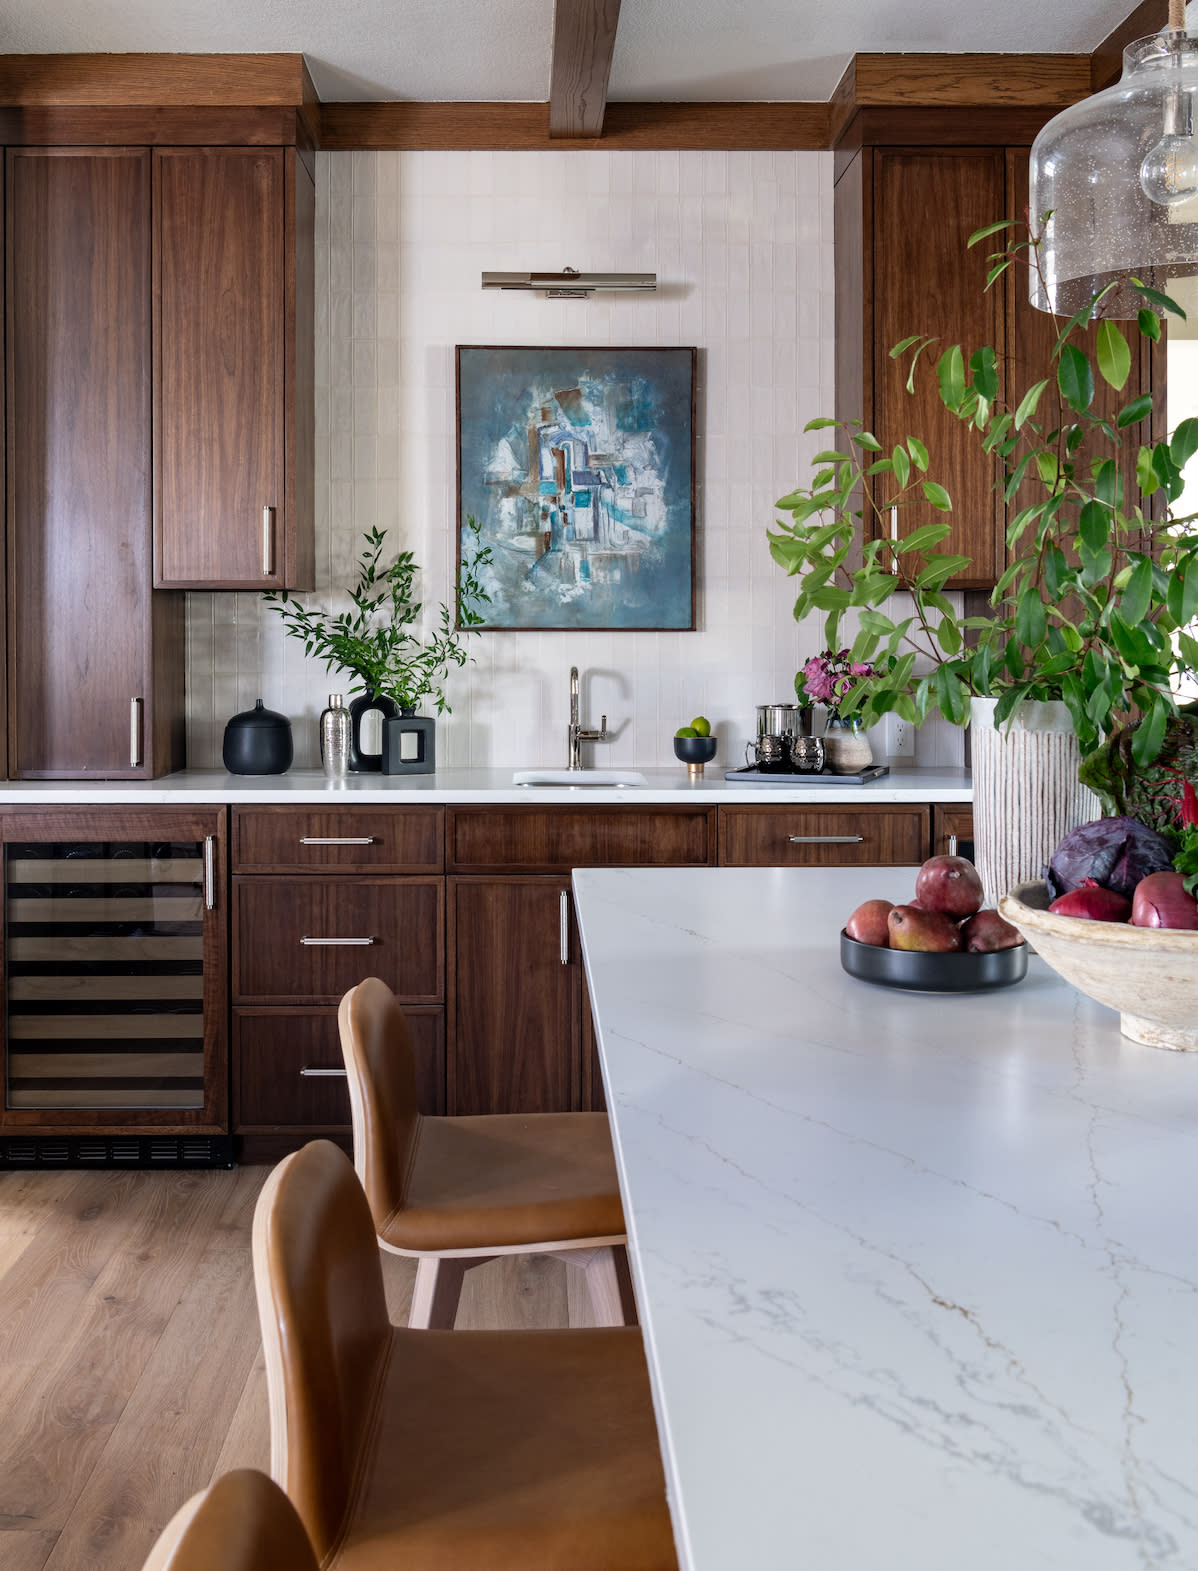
258 742
367 713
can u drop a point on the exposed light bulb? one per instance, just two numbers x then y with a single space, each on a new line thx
1169 172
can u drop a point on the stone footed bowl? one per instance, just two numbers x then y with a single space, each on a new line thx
1149 974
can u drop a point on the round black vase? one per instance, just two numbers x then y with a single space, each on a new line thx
360 761
258 742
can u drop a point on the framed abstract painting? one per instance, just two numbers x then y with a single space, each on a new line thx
578 466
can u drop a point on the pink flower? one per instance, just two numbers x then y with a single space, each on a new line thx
818 680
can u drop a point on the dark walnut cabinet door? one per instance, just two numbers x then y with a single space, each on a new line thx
927 281
95 660
516 1011
232 281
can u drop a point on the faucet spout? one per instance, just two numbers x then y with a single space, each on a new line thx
575 735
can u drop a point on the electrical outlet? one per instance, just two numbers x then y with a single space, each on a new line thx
900 737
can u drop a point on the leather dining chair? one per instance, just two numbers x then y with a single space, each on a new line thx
455 1192
441 1450
242 1522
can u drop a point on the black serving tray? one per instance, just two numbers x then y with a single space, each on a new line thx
796 777
925 973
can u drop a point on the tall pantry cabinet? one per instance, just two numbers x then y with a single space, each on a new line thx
158 382
95 659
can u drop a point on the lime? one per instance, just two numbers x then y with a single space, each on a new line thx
701 726
686 730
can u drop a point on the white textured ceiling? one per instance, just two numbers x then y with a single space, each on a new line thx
464 49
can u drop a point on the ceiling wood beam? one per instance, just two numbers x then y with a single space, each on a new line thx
751 127
124 81
946 81
584 39
1106 62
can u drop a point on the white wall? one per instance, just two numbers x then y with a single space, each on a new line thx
742 246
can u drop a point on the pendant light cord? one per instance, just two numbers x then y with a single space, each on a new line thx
1177 16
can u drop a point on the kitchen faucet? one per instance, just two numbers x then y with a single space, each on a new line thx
575 733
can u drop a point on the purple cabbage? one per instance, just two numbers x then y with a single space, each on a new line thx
1115 852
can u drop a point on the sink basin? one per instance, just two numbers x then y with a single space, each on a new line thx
578 777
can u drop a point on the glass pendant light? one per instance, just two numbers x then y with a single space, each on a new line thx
1118 173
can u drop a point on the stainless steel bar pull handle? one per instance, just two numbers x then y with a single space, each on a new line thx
334 840
135 713
315 1072
268 542
564 915
826 840
952 845
209 872
335 943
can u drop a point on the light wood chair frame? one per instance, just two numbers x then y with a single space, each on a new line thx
440 1273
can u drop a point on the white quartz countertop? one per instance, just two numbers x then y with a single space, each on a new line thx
918 1274
941 784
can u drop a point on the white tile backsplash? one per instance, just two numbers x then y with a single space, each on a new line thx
742 246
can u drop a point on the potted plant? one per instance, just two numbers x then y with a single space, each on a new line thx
828 679
1089 621
376 641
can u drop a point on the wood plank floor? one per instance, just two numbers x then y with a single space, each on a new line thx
130 1358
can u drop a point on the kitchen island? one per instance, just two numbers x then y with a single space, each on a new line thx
918 1274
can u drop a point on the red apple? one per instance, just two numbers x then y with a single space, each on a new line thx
986 931
868 923
949 884
931 931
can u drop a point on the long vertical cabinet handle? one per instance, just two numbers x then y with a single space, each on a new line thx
268 542
135 731
209 872
952 845
564 913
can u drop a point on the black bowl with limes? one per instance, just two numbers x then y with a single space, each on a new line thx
695 749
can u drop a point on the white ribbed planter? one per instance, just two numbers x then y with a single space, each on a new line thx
1026 794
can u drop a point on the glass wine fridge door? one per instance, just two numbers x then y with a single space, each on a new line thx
104 974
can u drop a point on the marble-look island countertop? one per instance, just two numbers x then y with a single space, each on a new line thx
918 1274
309 787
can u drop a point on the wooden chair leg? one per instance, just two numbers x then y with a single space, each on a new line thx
610 1285
436 1293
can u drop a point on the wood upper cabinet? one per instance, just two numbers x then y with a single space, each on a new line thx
902 222
233 346
95 660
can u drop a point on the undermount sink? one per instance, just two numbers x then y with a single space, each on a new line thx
578 777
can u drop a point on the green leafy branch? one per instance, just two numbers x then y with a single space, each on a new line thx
1096 603
374 639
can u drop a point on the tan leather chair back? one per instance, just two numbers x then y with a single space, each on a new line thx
325 1328
377 1047
242 1522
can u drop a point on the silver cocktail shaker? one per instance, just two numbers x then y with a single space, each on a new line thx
336 728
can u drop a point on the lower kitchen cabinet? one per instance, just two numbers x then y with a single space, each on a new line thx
517 1001
289 1082
115 998
952 829
802 836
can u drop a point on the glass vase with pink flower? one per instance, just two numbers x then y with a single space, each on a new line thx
829 679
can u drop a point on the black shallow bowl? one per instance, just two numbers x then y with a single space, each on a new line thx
924 973
695 749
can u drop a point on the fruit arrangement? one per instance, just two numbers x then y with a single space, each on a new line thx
699 726
945 917
1119 870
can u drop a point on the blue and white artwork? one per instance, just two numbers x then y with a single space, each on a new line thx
578 465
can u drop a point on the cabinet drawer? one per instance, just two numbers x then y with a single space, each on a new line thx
357 839
823 836
554 839
273 1049
403 919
